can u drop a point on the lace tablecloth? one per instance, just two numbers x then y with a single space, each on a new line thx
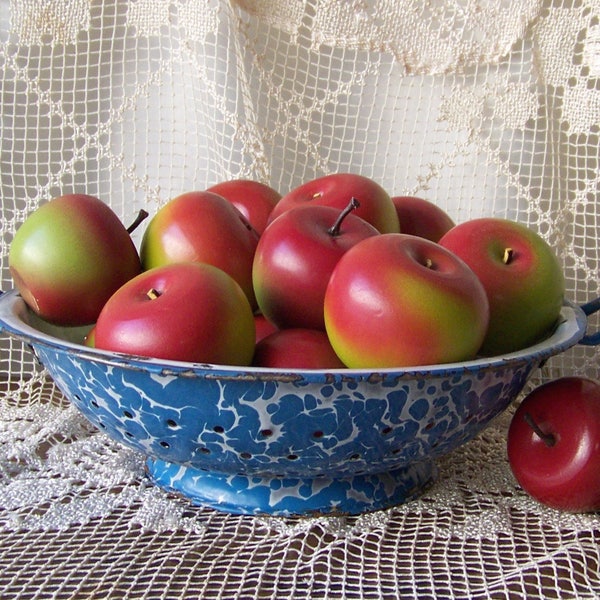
79 520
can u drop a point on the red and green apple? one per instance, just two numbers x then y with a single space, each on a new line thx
397 300
202 227
521 275
69 256
192 312
336 190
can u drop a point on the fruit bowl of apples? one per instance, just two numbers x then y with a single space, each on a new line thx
291 422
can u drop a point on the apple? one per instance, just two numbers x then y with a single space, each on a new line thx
336 190
296 349
295 257
255 200
421 217
202 227
190 311
90 338
521 275
397 300
69 256
263 326
554 444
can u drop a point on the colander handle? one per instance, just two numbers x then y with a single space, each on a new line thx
592 339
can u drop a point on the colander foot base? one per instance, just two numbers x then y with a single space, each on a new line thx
287 496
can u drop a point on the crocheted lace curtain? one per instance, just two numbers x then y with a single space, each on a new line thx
486 108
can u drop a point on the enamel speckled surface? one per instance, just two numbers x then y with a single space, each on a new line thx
263 438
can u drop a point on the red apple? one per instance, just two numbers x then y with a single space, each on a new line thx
263 327
554 444
255 200
296 349
69 256
294 260
422 218
191 312
398 300
521 276
336 190
202 227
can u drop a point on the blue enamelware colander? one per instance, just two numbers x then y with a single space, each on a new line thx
262 441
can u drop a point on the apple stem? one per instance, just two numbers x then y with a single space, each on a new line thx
152 294
547 438
334 230
508 256
140 217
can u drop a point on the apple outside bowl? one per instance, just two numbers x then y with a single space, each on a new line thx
303 442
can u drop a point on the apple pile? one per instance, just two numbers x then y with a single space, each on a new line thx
335 273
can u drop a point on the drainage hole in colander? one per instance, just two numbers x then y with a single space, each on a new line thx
204 451
266 433
128 434
245 455
429 425
386 430
292 457
354 456
77 397
218 429
318 434
127 414
171 424
164 444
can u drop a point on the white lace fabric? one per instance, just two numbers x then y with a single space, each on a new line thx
486 108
